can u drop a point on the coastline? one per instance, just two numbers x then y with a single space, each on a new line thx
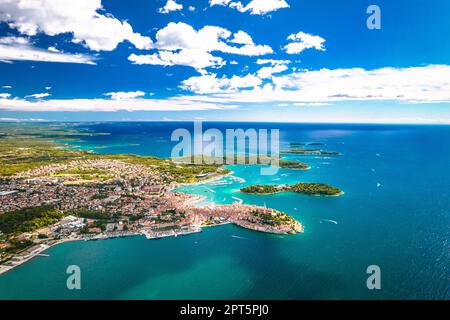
193 199
232 214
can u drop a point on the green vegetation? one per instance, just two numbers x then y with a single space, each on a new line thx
258 160
275 219
321 189
305 151
133 196
84 174
288 164
29 219
18 245
315 189
28 146
262 189
296 144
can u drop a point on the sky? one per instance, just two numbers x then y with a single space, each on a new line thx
225 60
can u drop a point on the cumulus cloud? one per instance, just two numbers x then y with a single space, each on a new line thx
52 49
194 58
242 37
82 18
125 95
5 95
259 7
173 104
210 83
19 49
272 61
275 67
38 95
415 84
267 72
180 44
302 41
171 5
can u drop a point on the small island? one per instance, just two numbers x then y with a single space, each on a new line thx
300 144
307 151
308 188
296 165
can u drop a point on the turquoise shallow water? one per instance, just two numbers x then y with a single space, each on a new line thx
395 214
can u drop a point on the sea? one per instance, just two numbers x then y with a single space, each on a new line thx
395 214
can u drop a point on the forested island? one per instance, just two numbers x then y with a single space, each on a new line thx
307 188
302 148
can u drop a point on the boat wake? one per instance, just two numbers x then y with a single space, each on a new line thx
238 200
329 221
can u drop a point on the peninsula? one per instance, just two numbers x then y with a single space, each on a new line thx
50 194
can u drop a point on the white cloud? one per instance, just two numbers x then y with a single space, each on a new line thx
275 66
14 40
197 59
302 41
191 8
267 72
173 104
171 5
242 37
412 85
81 18
5 95
19 49
272 61
38 95
181 44
125 95
259 7
20 119
52 49
219 2
6 87
48 88
210 83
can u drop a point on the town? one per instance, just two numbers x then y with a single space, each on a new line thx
103 198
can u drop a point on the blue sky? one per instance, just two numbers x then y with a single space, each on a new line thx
253 60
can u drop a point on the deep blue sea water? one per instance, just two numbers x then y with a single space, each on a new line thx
395 214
